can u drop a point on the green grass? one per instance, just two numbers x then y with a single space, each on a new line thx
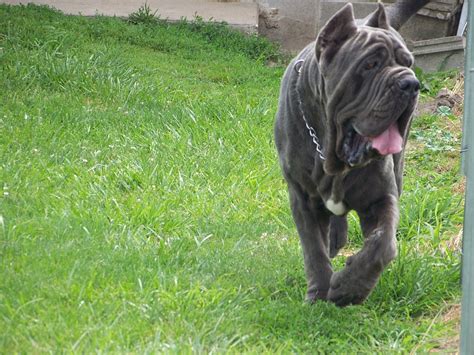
142 207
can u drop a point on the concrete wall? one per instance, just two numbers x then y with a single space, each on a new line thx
288 22
293 24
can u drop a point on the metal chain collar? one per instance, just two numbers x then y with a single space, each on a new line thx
312 132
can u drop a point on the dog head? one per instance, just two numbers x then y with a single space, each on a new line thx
367 89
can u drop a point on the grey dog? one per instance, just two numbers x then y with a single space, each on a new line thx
345 109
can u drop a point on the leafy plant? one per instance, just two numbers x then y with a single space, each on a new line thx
431 83
144 15
437 140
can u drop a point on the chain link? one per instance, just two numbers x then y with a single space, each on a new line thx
312 132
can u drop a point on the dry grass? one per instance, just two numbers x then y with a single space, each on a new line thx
450 344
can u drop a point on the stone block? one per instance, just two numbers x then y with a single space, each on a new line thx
437 19
439 54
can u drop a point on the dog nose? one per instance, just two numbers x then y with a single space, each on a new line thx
409 85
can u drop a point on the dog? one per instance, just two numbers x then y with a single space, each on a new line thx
344 113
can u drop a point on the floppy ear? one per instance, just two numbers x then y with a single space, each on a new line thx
337 30
378 18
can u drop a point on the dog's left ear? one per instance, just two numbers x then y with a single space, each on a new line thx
378 18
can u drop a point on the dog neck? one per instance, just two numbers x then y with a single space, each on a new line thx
298 67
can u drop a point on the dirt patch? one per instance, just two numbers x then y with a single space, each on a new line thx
454 242
445 98
450 344
460 186
452 99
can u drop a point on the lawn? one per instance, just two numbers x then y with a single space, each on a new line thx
142 207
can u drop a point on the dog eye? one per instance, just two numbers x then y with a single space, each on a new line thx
371 65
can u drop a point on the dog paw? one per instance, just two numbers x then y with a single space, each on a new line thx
344 292
351 285
315 295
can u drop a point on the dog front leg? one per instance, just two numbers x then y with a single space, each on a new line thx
312 222
355 282
337 234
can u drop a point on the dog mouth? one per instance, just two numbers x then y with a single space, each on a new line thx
355 146
358 148
389 141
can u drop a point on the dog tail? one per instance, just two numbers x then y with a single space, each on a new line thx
402 10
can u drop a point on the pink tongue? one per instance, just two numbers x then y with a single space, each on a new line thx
389 142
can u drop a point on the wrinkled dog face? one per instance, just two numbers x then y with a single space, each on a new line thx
368 88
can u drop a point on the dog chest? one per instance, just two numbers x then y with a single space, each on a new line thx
338 208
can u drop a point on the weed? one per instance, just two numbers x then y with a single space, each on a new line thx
431 83
220 35
144 15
